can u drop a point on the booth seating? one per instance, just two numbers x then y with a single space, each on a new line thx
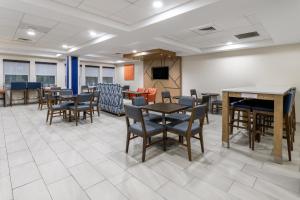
18 87
32 87
2 92
25 88
111 98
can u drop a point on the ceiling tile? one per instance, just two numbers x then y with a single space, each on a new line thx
38 21
230 23
103 7
133 14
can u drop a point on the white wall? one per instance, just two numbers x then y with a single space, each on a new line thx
138 76
272 66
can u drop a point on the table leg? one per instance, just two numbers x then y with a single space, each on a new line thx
225 119
165 137
278 128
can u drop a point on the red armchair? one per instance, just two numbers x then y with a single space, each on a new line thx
151 96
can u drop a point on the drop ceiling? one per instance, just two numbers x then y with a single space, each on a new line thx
125 25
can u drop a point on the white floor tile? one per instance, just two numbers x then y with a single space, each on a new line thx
105 191
19 158
53 171
148 176
171 191
86 175
5 188
44 156
60 147
67 189
32 191
108 168
70 158
136 190
23 174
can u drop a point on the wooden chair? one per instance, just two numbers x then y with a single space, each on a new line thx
141 128
166 95
83 103
42 100
151 96
268 111
2 92
182 116
55 110
194 94
216 106
140 102
189 129
205 101
96 101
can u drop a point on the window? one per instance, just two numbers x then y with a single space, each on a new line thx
108 74
91 75
16 71
45 73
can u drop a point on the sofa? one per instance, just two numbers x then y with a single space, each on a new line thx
111 98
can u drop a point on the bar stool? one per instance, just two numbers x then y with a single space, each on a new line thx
241 114
267 110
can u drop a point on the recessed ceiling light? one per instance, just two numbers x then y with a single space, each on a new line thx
157 4
134 51
93 33
59 54
229 43
120 61
65 46
31 32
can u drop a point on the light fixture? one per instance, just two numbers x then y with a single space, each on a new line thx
93 33
65 46
59 54
134 51
157 4
119 61
229 43
31 32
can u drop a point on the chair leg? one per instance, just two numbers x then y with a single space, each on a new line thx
98 111
165 140
51 117
253 131
91 116
201 141
288 138
207 120
144 149
249 128
47 116
76 117
127 141
188 141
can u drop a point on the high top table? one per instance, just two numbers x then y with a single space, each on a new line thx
275 94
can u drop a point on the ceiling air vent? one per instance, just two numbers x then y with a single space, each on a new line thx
247 35
24 40
209 28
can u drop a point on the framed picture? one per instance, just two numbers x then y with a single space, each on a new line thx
129 72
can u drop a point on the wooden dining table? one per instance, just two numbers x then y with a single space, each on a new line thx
275 94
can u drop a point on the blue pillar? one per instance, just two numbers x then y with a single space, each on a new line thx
72 65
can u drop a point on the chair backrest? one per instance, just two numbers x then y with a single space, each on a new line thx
133 112
187 101
198 112
288 103
81 98
34 85
96 95
139 101
194 93
66 92
125 87
166 95
205 99
140 90
18 85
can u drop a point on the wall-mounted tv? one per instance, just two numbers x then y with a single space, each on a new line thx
160 73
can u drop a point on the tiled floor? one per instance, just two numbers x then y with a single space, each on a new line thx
65 162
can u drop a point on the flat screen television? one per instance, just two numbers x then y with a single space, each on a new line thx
160 73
